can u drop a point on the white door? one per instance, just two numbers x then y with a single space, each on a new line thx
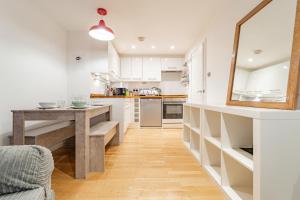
197 82
137 68
125 68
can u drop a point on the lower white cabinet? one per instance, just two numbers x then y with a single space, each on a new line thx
122 111
220 138
128 113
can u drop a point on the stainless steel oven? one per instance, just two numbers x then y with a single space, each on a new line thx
173 110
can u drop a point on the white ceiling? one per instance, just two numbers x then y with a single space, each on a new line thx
271 30
162 22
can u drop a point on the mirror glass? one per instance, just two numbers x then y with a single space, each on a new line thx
264 53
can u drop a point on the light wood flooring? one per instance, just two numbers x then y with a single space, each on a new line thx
151 164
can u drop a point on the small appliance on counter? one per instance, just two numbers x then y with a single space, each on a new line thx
150 92
120 91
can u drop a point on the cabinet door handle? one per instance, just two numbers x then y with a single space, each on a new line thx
201 91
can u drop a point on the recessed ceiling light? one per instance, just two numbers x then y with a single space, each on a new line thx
153 47
133 46
258 51
172 47
250 60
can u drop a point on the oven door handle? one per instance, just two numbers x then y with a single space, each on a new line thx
172 103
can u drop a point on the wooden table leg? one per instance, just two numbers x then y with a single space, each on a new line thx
82 129
18 128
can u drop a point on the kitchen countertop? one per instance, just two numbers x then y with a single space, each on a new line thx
96 96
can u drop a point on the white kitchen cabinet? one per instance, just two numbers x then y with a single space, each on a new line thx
151 69
132 69
122 111
172 64
137 68
113 61
126 68
128 114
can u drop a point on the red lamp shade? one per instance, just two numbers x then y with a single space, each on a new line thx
101 31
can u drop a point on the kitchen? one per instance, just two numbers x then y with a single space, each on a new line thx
136 99
130 78
140 96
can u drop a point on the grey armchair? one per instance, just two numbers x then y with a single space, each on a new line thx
25 173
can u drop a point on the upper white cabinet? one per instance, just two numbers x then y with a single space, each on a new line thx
126 70
113 61
137 68
131 69
172 64
151 69
140 69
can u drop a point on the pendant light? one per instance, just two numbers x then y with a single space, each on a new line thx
101 31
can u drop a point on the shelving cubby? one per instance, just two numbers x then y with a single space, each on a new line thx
212 160
237 134
237 180
186 114
212 127
195 118
195 140
186 135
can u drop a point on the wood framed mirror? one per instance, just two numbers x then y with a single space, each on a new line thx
266 57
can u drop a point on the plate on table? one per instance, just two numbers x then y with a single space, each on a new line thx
74 107
49 107
97 104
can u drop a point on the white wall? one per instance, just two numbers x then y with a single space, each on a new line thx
240 79
32 60
219 36
170 84
94 59
274 77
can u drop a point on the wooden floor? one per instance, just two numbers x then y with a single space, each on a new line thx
151 164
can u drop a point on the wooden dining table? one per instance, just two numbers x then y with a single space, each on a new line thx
81 117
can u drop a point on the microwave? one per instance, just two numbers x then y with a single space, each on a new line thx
120 91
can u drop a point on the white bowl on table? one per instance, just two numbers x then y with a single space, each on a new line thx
47 105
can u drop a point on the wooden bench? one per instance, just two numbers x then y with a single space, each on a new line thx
49 134
100 135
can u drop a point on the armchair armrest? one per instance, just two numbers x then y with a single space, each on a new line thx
24 168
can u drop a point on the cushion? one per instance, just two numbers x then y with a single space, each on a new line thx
24 168
36 194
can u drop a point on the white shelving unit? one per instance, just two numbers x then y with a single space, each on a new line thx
137 110
191 130
216 136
